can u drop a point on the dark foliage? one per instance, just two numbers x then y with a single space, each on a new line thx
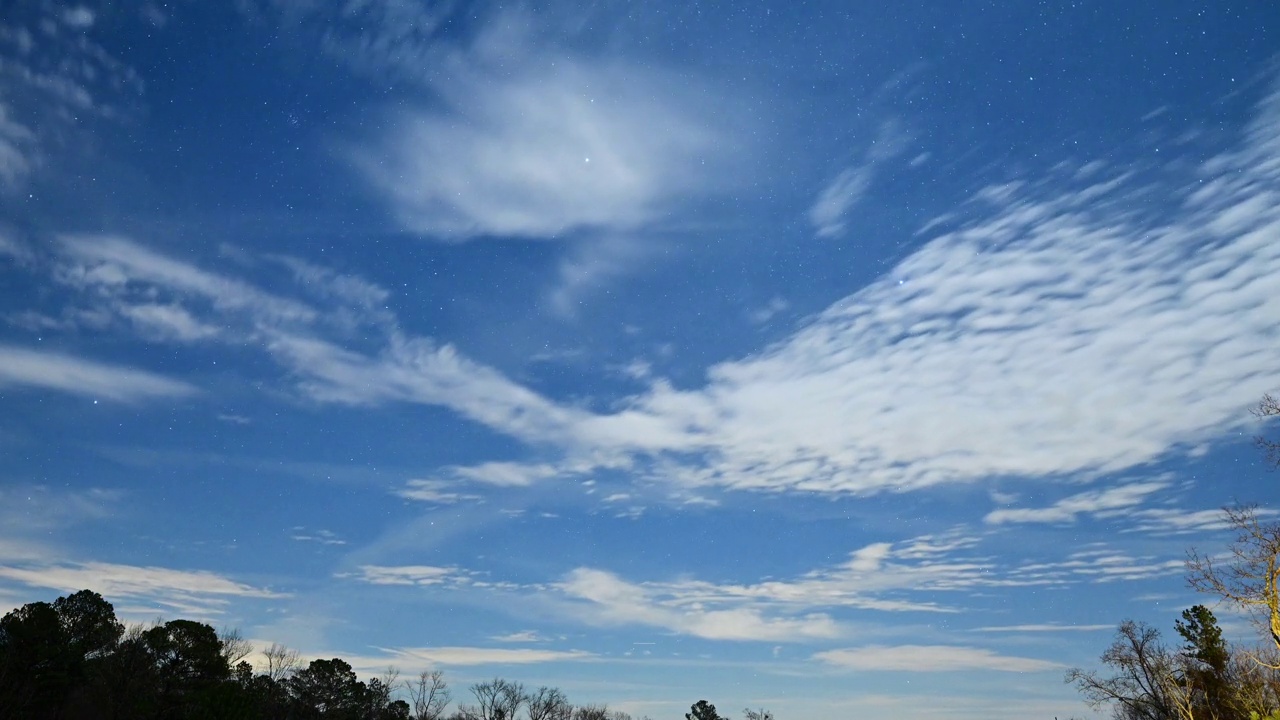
702 710
72 660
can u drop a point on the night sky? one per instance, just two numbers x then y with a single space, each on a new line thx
839 358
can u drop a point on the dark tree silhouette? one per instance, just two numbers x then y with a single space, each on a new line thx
702 710
37 668
89 623
327 689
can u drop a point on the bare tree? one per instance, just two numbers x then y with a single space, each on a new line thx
380 689
591 712
234 647
1250 577
281 662
497 699
1269 407
1254 682
759 714
1145 671
548 703
429 695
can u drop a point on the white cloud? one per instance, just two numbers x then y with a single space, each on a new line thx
322 537
31 515
301 338
1177 521
433 491
609 599
168 322
78 17
1059 334
1095 502
930 658
407 575
1043 627
887 577
19 366
837 198
1097 565
418 370
40 508
347 290
549 146
769 311
463 656
590 266
1056 333
829 212
8 245
18 150
112 264
57 78
504 474
524 636
199 593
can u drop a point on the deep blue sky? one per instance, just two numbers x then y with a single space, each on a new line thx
832 358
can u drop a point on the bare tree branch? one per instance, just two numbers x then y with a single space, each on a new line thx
1249 578
548 703
281 662
234 647
429 695
1268 407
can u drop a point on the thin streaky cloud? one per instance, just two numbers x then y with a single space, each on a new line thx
1068 509
420 575
604 598
931 658
454 656
197 593
65 373
1043 627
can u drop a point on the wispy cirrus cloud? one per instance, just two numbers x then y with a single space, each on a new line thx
529 139
554 148
193 592
523 636
1067 510
409 575
456 656
173 300
1056 332
829 213
1097 564
54 76
885 577
523 136
1043 627
612 600
931 658
439 492
66 373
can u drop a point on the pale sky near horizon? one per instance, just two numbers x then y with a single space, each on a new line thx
836 358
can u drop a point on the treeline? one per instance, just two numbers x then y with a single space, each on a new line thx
1205 677
73 660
